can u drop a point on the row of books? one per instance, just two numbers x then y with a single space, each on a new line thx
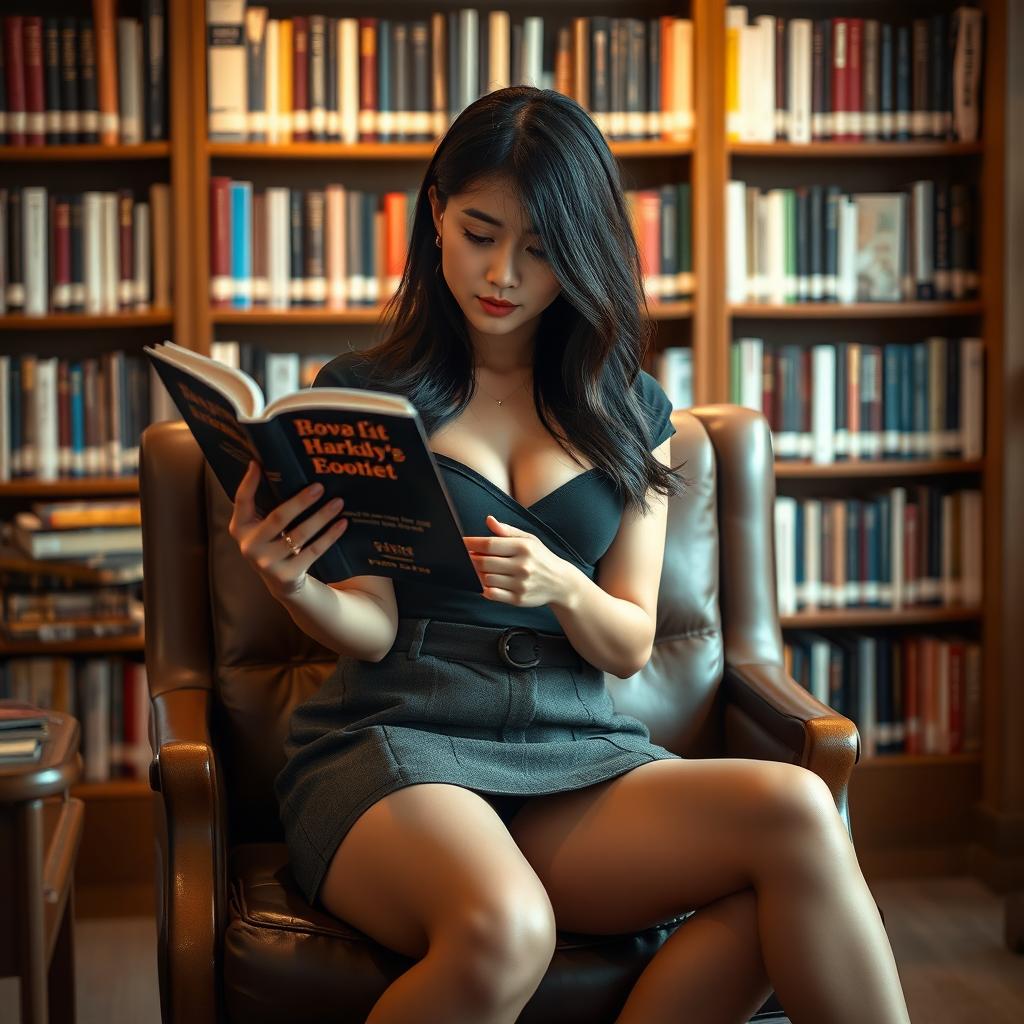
852 79
372 79
910 693
831 402
336 247
817 243
73 418
91 252
99 79
108 695
902 547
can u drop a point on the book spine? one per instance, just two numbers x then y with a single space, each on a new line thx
35 94
14 70
105 29
69 101
89 107
226 71
300 79
154 22
51 59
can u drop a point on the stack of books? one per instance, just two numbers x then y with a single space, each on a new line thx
23 728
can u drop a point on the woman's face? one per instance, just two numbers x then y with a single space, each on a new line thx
488 251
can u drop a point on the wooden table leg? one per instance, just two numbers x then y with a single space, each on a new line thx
62 967
29 892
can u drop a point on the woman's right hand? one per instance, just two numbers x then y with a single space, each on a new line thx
260 540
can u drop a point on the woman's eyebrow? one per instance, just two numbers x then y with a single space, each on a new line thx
488 219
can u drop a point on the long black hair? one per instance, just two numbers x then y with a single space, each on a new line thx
591 339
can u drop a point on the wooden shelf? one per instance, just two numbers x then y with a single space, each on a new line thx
786 469
84 152
85 321
88 486
84 645
918 760
860 150
371 314
398 150
113 788
860 618
852 310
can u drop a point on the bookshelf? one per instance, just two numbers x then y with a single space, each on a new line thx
924 813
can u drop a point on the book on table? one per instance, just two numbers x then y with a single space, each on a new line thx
367 447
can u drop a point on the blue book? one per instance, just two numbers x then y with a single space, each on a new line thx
76 384
240 200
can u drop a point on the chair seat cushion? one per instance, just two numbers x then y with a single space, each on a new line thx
287 960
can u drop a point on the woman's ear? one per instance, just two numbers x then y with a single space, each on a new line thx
435 207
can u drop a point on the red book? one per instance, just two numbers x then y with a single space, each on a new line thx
840 77
911 707
60 298
35 94
957 688
126 249
14 71
368 79
300 78
855 78
220 242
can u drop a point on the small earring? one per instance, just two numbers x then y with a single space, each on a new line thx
437 241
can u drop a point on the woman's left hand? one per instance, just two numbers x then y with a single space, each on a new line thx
515 567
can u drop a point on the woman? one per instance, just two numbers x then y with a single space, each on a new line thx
458 793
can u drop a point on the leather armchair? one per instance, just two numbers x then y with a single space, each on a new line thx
226 666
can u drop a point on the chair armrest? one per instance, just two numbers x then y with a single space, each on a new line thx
192 855
770 716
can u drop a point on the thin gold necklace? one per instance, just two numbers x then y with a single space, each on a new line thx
508 396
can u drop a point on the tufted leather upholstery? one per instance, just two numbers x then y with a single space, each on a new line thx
226 665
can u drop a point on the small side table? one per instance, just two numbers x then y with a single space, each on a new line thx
40 831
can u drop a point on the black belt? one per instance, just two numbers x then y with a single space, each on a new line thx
517 647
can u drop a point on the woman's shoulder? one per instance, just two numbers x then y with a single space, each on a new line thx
657 405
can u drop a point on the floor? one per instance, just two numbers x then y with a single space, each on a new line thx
947 936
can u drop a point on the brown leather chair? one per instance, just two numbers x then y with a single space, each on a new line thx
226 666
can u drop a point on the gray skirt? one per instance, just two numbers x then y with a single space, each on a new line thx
475 713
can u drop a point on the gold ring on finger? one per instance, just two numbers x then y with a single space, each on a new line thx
296 549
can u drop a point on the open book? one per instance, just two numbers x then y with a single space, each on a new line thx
368 447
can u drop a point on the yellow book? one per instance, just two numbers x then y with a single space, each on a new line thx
735 20
284 79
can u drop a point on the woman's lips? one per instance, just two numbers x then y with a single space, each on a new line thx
494 310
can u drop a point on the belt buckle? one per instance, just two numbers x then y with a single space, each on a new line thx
503 645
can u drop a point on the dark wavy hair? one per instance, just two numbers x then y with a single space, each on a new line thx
591 339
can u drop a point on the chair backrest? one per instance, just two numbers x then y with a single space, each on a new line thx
211 623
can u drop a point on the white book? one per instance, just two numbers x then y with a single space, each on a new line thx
972 531
6 467
736 242
278 248
282 375
469 57
751 372
140 227
337 283
129 80
823 403
812 552
846 285
348 79
799 117
45 410
972 396
764 108
227 74
750 82
92 250
35 236
499 50
111 251
785 563
897 506
775 234
533 50
226 352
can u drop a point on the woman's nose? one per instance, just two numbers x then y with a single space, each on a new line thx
502 271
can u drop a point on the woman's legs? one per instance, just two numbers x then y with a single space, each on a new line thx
677 835
431 872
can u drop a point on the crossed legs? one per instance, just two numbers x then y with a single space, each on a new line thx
757 847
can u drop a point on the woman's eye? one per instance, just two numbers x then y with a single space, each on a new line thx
480 240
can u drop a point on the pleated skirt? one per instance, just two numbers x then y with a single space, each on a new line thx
506 733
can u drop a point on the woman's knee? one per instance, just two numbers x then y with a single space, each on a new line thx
500 946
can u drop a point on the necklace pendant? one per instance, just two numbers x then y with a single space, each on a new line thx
499 403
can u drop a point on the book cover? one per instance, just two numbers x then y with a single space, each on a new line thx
367 447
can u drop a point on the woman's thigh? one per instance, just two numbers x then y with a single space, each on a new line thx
427 857
667 837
